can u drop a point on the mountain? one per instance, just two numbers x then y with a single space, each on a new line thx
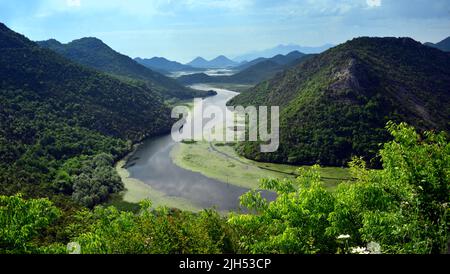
278 59
218 62
163 65
221 62
335 105
444 45
93 53
199 62
53 110
250 73
281 49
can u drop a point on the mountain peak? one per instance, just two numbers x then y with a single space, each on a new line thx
283 50
52 40
366 82
3 27
92 52
446 40
11 39
50 43
199 59
159 59
92 41
220 61
383 40
163 65
444 45
221 57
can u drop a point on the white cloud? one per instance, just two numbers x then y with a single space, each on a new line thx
373 3
73 3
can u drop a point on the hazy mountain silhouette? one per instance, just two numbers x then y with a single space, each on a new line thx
444 45
280 49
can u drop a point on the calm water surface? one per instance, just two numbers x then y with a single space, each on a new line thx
153 165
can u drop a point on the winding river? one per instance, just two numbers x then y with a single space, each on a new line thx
152 164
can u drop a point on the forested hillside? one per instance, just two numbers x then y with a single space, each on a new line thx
54 112
335 105
163 65
278 59
93 53
399 209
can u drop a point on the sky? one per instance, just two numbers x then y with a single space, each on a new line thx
184 29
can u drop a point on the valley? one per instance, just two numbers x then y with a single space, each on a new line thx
106 119
193 176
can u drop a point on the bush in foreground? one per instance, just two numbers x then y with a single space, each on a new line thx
401 208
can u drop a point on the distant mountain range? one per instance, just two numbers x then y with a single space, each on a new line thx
240 63
277 59
164 65
280 49
444 45
335 105
249 73
93 53
218 62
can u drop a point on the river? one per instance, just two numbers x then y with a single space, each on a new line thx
151 164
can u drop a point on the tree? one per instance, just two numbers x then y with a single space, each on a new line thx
294 223
22 220
90 180
153 231
402 207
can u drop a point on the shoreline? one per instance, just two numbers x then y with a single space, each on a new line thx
215 161
137 191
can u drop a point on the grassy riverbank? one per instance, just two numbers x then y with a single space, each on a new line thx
229 86
221 162
137 191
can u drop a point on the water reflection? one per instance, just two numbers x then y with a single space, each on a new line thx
153 165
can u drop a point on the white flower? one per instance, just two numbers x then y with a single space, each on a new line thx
73 248
374 248
359 250
342 237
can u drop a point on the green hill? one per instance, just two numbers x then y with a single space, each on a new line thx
93 53
53 110
163 65
336 105
279 59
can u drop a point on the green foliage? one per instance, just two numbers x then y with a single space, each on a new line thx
21 221
52 110
334 106
403 207
294 223
90 180
93 53
62 126
160 231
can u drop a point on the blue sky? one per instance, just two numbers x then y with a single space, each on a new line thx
184 29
